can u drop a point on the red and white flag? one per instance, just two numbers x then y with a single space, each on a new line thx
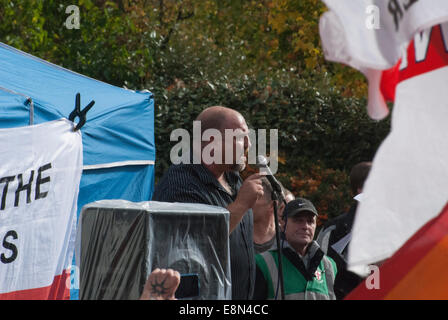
402 48
40 172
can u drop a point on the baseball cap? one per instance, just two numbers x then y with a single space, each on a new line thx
299 205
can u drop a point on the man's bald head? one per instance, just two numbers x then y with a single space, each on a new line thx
220 118
233 147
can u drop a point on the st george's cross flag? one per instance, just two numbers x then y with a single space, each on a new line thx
404 55
40 172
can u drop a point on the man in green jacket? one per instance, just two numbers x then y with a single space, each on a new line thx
308 274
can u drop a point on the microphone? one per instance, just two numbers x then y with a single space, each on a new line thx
262 164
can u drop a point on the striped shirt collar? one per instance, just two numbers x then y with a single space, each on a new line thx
207 177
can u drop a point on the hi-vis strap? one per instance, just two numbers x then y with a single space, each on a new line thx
329 277
273 270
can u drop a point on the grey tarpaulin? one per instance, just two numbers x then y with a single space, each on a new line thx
119 243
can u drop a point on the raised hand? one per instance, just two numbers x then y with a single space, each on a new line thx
161 285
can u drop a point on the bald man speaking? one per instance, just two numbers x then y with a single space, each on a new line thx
218 183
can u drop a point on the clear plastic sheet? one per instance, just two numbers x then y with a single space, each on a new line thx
119 243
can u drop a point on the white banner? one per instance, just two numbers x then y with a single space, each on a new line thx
408 183
40 172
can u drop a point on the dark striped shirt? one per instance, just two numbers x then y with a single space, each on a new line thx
194 183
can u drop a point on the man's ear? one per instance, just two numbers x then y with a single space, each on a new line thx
281 208
281 222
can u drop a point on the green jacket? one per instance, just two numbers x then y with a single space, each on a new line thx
312 280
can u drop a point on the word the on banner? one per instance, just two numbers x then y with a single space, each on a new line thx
39 183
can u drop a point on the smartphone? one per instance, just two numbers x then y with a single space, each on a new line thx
188 287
